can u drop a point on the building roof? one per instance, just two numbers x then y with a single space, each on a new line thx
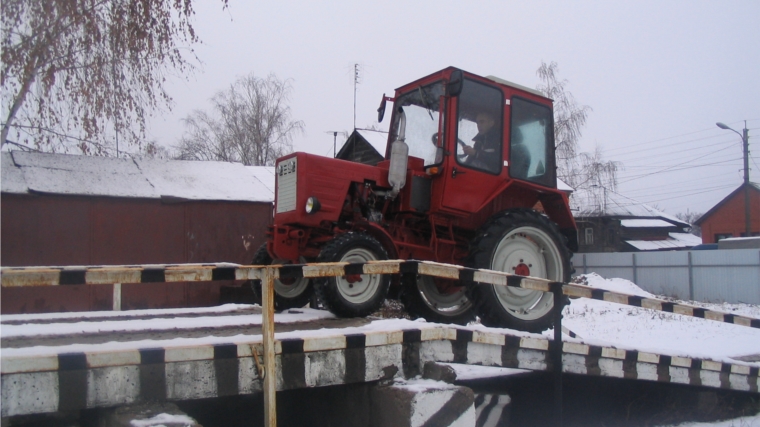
753 186
606 203
377 139
674 241
24 172
645 223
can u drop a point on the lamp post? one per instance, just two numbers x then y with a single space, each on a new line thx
745 140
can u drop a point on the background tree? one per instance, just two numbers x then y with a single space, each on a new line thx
249 123
74 70
691 217
588 173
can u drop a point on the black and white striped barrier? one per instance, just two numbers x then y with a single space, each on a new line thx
59 276
106 377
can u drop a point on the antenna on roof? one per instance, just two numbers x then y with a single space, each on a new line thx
356 82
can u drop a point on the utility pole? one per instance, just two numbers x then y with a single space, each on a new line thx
745 147
335 142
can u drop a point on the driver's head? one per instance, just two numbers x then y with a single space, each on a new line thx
485 121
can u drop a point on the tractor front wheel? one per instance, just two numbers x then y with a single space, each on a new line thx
525 243
289 293
355 295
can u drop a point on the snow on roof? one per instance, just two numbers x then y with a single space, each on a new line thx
645 223
24 172
675 241
12 178
595 203
377 139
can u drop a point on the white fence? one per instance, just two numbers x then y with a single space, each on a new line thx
730 275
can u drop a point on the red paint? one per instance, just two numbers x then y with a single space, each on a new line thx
70 230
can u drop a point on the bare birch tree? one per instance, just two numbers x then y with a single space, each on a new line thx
73 70
249 123
587 173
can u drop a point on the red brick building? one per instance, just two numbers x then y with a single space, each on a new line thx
726 219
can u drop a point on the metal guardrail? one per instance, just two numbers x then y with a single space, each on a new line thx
92 275
166 273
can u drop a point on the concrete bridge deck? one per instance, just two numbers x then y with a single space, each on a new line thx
75 361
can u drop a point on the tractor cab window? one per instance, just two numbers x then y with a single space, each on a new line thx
479 127
421 107
531 153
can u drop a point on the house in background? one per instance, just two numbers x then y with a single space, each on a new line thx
609 222
364 146
62 209
726 219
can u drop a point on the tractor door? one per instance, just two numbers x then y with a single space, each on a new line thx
476 167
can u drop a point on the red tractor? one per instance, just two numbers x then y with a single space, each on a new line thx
469 178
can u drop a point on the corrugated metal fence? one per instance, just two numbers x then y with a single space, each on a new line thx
730 275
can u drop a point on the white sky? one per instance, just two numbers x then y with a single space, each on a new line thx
658 75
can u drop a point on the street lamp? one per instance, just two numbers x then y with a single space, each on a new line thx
745 140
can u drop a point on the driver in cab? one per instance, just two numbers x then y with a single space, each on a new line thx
485 152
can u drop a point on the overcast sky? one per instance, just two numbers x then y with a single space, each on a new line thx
658 74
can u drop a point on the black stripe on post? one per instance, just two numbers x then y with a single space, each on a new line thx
72 361
356 341
291 272
409 267
354 268
514 281
459 346
667 306
153 275
467 275
226 369
292 345
356 358
598 294
410 353
223 273
725 368
699 312
152 374
635 300
755 323
509 352
72 277
151 356
728 318
754 372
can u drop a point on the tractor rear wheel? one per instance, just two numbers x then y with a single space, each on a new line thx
526 243
436 300
356 295
289 293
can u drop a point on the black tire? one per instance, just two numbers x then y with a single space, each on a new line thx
422 297
295 293
524 242
340 294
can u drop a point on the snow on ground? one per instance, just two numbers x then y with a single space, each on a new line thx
225 308
751 421
605 323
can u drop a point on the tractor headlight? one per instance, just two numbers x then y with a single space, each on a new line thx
312 205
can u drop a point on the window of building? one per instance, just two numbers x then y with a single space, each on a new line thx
589 236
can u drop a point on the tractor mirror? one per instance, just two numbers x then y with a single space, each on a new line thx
454 85
381 110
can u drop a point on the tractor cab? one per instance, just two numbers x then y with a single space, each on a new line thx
475 136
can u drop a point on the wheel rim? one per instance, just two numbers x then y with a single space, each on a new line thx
358 288
452 304
527 251
294 289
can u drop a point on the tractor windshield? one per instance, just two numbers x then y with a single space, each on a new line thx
422 109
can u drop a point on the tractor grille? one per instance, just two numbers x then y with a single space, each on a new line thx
286 185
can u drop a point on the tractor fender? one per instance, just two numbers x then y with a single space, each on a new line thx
381 235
